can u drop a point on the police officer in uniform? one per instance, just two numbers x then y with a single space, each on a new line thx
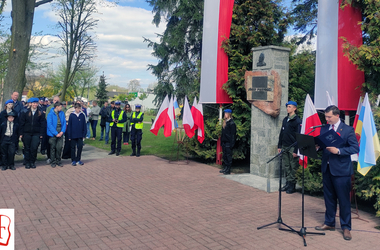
118 117
136 130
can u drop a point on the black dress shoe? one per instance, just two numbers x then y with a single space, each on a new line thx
324 228
117 153
284 188
133 154
226 173
59 164
53 165
32 165
111 153
3 168
27 166
12 168
221 171
291 189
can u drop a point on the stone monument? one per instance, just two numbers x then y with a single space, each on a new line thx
267 91
267 115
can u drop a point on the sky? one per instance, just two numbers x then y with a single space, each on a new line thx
121 53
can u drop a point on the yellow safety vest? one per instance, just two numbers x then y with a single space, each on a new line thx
119 125
138 125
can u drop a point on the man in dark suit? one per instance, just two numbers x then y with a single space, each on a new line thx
337 170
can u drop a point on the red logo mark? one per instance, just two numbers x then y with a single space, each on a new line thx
5 233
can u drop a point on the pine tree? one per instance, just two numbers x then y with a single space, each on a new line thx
254 23
101 92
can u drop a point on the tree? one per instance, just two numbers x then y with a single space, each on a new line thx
22 22
76 22
86 79
101 91
305 18
179 48
134 85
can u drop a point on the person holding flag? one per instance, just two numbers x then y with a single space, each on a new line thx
290 126
336 172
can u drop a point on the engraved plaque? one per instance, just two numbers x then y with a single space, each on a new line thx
260 88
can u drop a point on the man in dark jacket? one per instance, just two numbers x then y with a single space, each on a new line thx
290 126
103 120
228 140
32 129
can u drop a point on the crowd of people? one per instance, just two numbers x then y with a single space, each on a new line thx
59 129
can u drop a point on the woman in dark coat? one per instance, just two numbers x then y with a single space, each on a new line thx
32 129
228 140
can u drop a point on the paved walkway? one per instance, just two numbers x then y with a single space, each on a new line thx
146 203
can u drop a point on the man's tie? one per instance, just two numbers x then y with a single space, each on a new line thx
333 127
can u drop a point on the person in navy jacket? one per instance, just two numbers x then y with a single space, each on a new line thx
9 134
337 170
56 127
76 132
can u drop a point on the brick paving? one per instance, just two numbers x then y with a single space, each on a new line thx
146 203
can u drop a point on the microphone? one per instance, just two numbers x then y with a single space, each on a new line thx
318 126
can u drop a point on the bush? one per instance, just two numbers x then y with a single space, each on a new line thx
313 177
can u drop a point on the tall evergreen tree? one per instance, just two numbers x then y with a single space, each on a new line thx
179 48
101 92
254 23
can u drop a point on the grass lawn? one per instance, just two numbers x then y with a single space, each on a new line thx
159 145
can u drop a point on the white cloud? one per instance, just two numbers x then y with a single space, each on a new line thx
121 52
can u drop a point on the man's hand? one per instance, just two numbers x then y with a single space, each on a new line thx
59 134
279 150
333 150
295 155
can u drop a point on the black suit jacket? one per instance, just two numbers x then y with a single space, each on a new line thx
15 134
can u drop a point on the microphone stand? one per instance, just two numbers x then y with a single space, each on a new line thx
279 219
302 231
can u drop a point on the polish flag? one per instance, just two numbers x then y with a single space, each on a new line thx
334 72
197 112
170 121
161 117
187 119
360 104
310 118
217 20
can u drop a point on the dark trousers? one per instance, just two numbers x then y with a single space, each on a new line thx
8 151
337 188
126 136
66 149
227 157
44 141
94 123
136 137
76 143
31 143
55 149
116 134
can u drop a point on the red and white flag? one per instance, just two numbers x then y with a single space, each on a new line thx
161 117
334 72
197 112
310 118
170 122
360 104
216 28
187 119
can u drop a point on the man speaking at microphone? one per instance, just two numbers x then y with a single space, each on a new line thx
336 171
